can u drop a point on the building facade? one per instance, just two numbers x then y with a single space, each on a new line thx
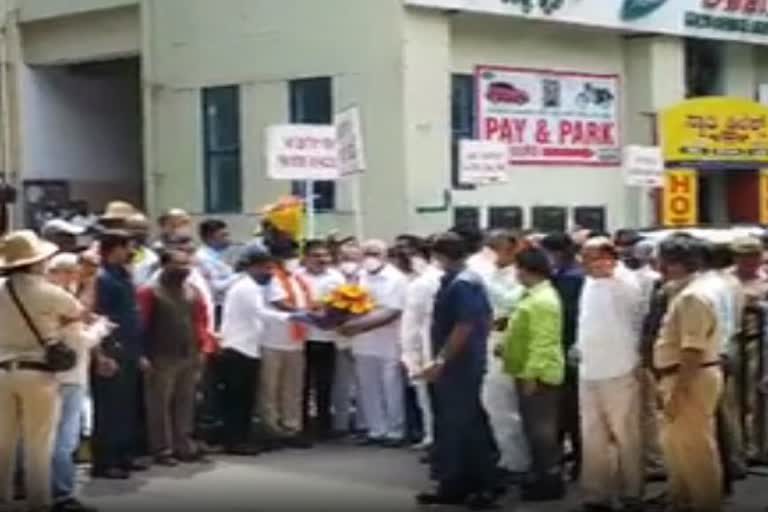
166 102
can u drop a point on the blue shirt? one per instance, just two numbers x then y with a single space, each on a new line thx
116 299
462 299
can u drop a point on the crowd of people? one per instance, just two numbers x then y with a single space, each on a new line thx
509 359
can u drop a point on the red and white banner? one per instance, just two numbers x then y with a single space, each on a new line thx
550 117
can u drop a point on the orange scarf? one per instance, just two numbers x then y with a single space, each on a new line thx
298 331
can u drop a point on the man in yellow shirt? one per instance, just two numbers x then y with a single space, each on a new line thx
687 364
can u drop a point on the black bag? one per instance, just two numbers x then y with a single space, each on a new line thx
58 356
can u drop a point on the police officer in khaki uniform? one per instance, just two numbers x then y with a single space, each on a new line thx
687 364
746 352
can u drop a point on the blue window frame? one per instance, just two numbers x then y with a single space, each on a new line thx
462 120
311 102
221 146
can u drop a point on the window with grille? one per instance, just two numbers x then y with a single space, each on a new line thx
222 152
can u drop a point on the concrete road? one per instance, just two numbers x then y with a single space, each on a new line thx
334 478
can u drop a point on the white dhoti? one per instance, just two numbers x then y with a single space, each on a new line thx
499 396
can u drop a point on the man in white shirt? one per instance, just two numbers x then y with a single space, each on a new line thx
376 346
245 313
415 333
499 392
610 393
345 385
320 350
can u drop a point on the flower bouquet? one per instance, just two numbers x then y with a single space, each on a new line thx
343 303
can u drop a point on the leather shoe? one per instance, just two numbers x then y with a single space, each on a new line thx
168 461
438 498
111 474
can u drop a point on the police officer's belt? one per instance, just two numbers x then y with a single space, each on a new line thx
675 368
24 365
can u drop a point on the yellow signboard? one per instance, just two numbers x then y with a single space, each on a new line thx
681 198
715 130
763 196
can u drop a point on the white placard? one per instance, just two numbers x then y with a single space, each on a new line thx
302 152
350 139
643 166
483 162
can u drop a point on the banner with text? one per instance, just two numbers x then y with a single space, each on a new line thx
550 117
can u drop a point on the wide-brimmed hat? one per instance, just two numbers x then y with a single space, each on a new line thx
22 248
61 227
118 210
747 245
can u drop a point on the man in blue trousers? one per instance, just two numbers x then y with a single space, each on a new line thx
465 455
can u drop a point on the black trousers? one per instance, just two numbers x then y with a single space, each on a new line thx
240 376
570 422
541 423
320 371
117 428
464 455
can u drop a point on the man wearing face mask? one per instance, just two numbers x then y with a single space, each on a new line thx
176 333
345 385
376 347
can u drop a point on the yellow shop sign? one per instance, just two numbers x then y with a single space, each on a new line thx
715 130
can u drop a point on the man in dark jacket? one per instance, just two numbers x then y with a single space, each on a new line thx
118 363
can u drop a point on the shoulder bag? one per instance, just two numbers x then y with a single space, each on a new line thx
58 356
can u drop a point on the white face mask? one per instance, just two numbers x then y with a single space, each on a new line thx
349 268
292 265
419 265
372 264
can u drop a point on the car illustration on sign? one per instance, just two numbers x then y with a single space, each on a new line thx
502 92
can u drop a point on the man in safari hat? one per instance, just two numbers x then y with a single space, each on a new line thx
116 214
748 256
29 391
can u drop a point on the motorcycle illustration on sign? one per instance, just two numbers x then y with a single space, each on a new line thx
594 96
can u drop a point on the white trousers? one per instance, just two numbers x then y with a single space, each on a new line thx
345 390
425 407
382 394
499 396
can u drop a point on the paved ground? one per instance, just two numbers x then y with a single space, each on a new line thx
338 478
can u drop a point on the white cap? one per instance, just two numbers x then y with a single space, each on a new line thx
61 226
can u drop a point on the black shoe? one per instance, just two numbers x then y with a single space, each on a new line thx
72 505
486 500
394 443
195 458
550 488
439 498
244 450
137 465
111 474
594 507
371 441
298 442
168 461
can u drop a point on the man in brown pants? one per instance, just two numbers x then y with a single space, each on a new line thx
176 328
687 363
